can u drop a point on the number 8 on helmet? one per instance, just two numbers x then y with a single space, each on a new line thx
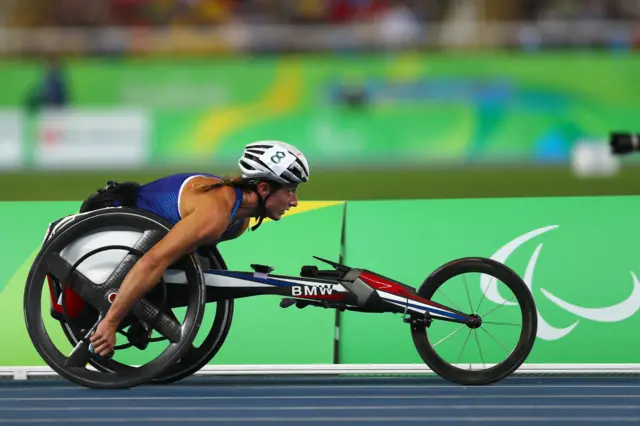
274 160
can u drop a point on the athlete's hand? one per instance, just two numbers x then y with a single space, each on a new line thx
104 339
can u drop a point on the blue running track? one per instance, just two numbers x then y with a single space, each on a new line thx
328 401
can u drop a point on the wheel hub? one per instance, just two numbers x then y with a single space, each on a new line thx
474 321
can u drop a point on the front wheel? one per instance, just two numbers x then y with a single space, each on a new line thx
491 350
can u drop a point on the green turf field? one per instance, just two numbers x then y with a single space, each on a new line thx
356 185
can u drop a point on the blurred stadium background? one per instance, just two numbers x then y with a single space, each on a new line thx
389 99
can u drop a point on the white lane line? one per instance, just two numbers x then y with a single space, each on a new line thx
92 420
329 386
341 397
333 407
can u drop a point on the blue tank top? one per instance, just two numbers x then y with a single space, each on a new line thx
162 197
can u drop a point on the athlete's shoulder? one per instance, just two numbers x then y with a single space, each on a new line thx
203 192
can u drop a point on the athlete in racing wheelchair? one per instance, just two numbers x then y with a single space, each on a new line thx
204 210
136 252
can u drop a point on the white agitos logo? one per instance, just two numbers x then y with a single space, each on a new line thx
546 331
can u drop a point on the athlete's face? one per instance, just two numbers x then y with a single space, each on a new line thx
281 200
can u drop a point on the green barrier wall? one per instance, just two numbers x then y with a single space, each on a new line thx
422 107
581 253
261 332
578 255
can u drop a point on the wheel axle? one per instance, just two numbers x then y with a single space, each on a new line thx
474 321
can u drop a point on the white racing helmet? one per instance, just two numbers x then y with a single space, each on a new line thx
274 160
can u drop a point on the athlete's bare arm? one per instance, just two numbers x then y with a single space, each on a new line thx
207 218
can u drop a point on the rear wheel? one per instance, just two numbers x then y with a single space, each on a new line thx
69 258
199 356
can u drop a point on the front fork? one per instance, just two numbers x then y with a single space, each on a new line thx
416 310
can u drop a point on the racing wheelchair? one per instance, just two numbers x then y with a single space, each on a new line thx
85 257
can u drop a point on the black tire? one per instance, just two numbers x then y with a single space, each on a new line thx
527 335
196 358
111 374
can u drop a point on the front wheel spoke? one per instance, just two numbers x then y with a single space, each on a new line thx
500 305
475 333
449 299
490 335
484 293
464 346
501 323
466 287
450 334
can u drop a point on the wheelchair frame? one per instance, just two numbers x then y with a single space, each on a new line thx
71 242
